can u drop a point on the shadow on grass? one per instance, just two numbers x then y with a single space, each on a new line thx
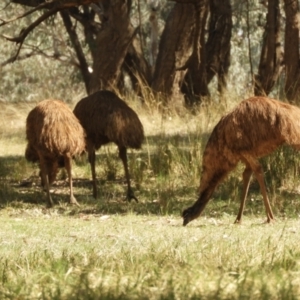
154 181
110 201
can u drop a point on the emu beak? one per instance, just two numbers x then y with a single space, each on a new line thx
186 216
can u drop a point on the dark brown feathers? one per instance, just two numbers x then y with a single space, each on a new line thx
106 118
52 128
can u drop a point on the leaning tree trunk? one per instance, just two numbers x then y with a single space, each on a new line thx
137 67
271 60
218 43
175 49
195 83
112 44
83 66
291 50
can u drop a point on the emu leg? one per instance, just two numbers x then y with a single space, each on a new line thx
92 160
123 156
246 182
45 179
258 172
68 166
52 168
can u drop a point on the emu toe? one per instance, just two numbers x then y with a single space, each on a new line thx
49 202
238 221
130 196
73 201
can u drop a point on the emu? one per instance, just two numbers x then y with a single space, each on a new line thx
54 136
255 128
107 118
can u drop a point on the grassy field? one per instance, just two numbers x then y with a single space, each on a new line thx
110 249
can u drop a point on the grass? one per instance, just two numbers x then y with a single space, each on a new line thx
49 255
111 249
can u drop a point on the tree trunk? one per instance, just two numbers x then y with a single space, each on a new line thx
195 85
137 67
291 50
271 60
112 43
218 43
175 49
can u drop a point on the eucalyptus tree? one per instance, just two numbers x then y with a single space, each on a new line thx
176 52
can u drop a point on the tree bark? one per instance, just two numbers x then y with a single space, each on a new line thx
137 67
291 50
271 60
175 48
77 47
195 85
112 43
55 3
218 43
90 26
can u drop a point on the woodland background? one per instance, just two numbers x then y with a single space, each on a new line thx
180 52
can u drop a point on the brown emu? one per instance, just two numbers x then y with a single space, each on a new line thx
54 136
106 118
255 128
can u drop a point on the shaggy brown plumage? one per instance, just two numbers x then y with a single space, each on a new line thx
54 136
106 118
255 128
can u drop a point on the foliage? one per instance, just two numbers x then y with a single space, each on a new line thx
53 59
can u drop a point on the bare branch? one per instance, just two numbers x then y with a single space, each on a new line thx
54 3
36 51
91 24
40 4
77 46
24 32
12 59
185 1
4 22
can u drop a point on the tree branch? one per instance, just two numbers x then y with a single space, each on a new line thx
24 32
41 4
53 3
12 59
77 46
4 22
36 51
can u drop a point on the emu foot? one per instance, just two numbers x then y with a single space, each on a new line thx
73 201
49 205
269 220
95 193
49 202
130 196
238 222
188 215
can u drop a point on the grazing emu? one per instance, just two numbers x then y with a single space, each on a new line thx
106 118
255 128
54 136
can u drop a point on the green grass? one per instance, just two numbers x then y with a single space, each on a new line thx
49 255
111 249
